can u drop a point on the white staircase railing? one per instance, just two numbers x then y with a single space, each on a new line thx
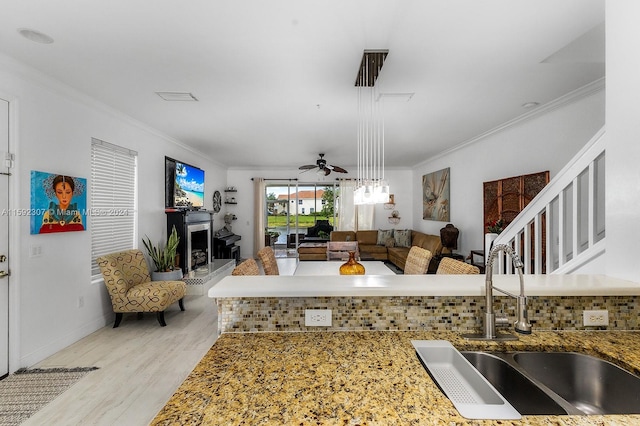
563 227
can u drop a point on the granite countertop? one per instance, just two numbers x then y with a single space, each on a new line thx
357 378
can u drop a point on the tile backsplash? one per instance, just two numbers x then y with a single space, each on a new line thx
455 313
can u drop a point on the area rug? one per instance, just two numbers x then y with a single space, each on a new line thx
26 391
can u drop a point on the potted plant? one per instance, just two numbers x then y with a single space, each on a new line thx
164 258
495 227
270 237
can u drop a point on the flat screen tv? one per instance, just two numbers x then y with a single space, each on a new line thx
184 185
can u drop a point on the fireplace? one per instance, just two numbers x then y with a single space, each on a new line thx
198 245
194 230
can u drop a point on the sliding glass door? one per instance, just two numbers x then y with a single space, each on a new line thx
293 208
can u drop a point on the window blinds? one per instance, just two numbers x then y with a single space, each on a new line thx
113 201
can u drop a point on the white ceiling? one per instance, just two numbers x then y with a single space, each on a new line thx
275 78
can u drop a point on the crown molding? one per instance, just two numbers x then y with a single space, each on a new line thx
46 82
571 97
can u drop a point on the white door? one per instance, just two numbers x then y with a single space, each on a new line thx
4 239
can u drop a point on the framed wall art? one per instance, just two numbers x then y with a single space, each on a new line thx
58 203
435 196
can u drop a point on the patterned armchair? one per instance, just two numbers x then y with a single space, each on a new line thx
129 284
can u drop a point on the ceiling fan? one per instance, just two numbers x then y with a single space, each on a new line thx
322 166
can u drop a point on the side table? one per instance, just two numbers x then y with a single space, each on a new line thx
480 264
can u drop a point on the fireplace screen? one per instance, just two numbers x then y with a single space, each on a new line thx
198 245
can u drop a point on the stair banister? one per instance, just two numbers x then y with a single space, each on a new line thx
541 205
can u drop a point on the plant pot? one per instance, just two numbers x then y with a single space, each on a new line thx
270 240
175 275
488 244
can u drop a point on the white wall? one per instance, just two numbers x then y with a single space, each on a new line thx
544 142
52 130
399 183
623 139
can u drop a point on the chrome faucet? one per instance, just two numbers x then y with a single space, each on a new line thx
522 324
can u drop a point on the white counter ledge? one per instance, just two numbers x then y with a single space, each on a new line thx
418 285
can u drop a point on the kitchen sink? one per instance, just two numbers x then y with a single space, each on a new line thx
505 385
524 395
559 382
592 385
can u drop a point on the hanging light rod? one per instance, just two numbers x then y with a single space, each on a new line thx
371 186
370 67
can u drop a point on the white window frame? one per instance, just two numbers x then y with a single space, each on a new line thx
113 213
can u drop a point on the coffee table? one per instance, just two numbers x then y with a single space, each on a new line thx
312 251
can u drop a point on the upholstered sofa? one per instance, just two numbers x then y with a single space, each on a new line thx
383 245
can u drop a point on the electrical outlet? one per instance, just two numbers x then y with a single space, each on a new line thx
595 318
317 317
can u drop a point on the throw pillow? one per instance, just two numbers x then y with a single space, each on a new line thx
391 242
383 235
402 237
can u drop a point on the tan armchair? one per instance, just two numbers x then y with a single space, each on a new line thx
452 266
248 267
129 284
417 261
268 259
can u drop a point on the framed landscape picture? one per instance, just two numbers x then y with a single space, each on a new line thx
435 196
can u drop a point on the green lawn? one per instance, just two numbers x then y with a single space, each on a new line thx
304 221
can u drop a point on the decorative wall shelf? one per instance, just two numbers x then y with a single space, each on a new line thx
389 206
394 220
228 199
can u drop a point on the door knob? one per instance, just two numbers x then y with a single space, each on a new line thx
4 274
3 258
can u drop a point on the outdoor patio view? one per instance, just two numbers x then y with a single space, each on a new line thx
298 212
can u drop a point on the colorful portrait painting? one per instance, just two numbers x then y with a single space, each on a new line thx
58 203
435 196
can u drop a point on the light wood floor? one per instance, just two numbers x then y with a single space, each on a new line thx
140 366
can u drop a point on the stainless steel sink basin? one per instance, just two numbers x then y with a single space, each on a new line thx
524 395
592 385
559 382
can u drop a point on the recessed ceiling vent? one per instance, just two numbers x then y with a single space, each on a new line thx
35 36
370 66
177 96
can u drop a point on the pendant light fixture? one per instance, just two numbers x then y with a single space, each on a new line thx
371 185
